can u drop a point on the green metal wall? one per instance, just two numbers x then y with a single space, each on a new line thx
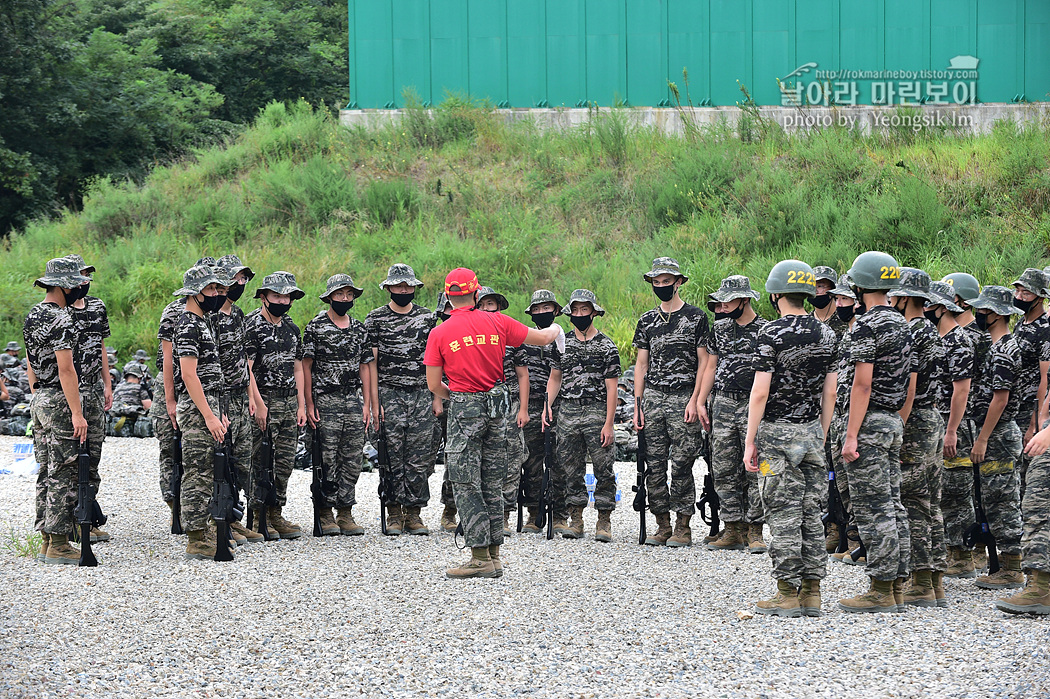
528 53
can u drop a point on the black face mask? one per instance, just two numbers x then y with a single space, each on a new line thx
931 315
861 306
664 293
74 295
1024 305
235 291
581 322
898 308
982 320
775 303
210 304
721 316
402 299
277 309
341 307
845 313
821 301
543 320
443 316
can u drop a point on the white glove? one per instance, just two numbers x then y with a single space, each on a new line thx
559 341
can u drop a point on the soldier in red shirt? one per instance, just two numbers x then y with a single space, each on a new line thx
468 350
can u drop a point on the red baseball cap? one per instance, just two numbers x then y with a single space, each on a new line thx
464 279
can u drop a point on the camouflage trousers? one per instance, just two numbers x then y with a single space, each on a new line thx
165 434
957 488
1035 541
476 454
836 433
92 404
410 425
515 457
239 435
793 477
669 438
284 434
1000 493
57 480
922 462
875 494
579 429
342 443
198 462
532 468
1023 420
738 492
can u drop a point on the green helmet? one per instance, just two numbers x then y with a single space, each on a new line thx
791 277
966 285
874 270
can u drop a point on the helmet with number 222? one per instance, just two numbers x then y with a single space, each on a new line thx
875 271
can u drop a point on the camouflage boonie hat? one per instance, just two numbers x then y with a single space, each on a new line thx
736 286
135 369
111 350
997 299
207 262
583 295
1033 280
442 303
400 274
84 267
195 279
543 296
7 361
12 345
141 354
501 300
622 395
336 282
664 265
231 265
943 294
826 273
913 282
280 283
842 288
61 272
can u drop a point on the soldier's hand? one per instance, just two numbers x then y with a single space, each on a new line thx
366 418
1039 443
438 407
951 444
1029 433
607 435
312 416
260 417
691 415
79 428
523 418
107 402
978 451
215 427
226 422
171 415
705 420
300 417
547 418
849 450
639 415
751 458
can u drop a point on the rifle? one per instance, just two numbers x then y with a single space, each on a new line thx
265 488
176 483
224 506
836 513
709 503
980 533
321 488
383 464
521 501
87 513
545 506
639 489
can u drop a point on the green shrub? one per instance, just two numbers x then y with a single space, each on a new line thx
388 201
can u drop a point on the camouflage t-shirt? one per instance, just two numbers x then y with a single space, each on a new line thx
957 364
837 325
538 361
1033 341
982 342
1001 371
194 338
799 352
672 340
169 318
585 365
48 329
928 352
229 329
735 346
130 394
338 354
844 387
273 350
880 337
401 340
92 323
513 357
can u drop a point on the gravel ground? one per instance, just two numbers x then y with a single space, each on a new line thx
371 615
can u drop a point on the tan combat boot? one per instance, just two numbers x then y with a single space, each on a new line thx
250 537
448 518
345 521
479 566
809 598
575 528
506 522
42 553
1034 599
898 593
530 526
603 529
663 530
560 526
414 523
980 557
831 541
497 564
198 547
1009 576
327 521
877 599
285 529
708 538
237 538
98 535
784 603
937 580
59 552
271 533
683 535
960 563
755 542
920 590
732 538
211 536
395 519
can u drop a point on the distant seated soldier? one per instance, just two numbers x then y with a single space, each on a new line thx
130 402
12 349
624 407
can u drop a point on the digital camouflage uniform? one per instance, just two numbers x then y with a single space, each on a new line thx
513 359
538 362
880 337
1033 342
1035 540
162 427
92 324
337 355
407 403
229 331
582 402
798 352
957 478
837 433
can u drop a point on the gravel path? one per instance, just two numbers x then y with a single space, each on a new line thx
371 615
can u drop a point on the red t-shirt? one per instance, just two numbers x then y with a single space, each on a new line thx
470 347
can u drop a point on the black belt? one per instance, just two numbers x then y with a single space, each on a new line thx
734 395
337 390
278 392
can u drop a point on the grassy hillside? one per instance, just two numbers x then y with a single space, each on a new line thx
589 208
